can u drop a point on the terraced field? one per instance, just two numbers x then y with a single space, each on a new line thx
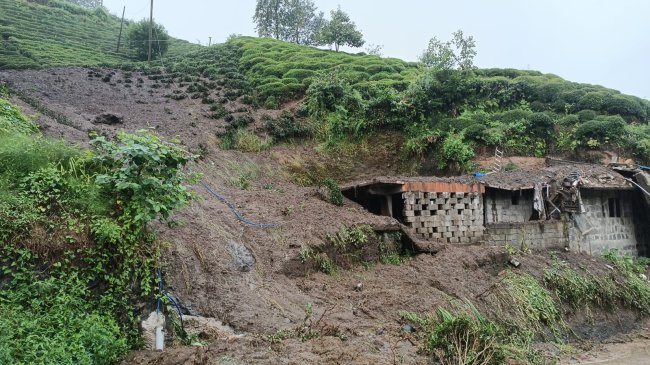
61 34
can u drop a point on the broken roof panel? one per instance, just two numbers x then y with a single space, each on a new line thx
593 177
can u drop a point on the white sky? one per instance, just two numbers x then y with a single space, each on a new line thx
601 42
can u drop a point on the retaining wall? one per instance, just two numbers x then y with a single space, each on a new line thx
534 235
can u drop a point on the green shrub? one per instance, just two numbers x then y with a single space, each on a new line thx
52 321
271 103
334 191
463 338
285 127
601 130
540 125
591 101
13 121
143 175
245 141
569 120
455 153
625 106
299 74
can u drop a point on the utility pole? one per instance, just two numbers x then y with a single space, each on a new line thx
119 38
150 31
210 42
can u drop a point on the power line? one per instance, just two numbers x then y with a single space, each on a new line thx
150 31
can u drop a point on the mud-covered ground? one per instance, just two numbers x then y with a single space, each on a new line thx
251 280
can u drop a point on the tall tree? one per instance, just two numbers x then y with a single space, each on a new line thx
269 18
298 15
341 31
314 29
456 54
137 40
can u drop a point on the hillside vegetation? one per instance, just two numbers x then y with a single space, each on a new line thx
75 250
61 34
444 113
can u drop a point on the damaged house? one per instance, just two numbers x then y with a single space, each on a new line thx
582 207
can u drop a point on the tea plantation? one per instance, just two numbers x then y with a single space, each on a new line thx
61 34
355 95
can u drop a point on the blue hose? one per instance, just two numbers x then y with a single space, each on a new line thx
161 286
234 210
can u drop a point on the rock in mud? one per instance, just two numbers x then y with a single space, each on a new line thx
109 119
242 256
408 328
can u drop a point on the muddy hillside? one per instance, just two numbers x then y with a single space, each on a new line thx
265 270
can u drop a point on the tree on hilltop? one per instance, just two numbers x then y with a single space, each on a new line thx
302 23
137 40
269 18
456 54
294 21
341 31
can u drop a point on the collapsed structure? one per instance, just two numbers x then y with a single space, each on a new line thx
578 206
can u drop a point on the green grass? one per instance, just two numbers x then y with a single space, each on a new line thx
583 290
62 34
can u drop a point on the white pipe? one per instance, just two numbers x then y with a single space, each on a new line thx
638 186
160 338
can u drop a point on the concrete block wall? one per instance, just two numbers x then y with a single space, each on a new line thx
534 235
445 217
595 231
499 206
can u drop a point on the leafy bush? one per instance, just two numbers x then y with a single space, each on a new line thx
591 101
145 174
285 127
52 321
586 115
540 125
335 196
610 128
463 338
455 153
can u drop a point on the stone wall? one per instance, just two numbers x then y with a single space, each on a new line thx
603 225
500 207
535 235
445 217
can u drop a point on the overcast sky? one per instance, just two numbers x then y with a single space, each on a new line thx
601 42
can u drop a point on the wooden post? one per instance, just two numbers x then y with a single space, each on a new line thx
150 31
119 38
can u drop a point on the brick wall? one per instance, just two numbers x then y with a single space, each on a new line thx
600 228
535 235
445 217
